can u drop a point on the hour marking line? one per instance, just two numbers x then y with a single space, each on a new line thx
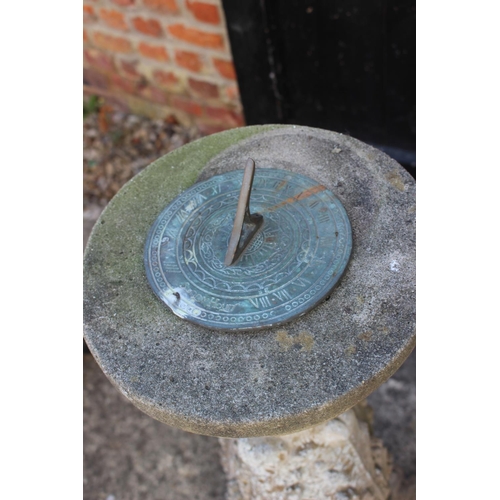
302 195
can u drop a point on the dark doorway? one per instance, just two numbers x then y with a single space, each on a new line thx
342 65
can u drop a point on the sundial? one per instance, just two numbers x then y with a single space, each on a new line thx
248 249
260 352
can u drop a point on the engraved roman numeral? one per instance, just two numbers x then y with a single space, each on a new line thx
170 233
181 215
259 302
324 217
199 198
282 295
301 282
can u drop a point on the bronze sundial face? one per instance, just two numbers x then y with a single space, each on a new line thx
216 264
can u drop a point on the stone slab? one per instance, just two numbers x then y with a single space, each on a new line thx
279 380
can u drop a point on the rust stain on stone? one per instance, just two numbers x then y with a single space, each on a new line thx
395 180
302 195
304 339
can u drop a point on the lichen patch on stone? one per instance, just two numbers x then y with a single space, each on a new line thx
395 179
304 339
366 336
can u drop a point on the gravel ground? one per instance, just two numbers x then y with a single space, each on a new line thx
128 455
117 146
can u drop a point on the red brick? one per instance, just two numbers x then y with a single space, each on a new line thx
188 60
85 36
232 92
225 68
129 68
88 14
123 3
166 79
95 78
197 37
205 12
204 89
114 19
154 94
99 59
129 86
157 52
186 105
147 26
210 128
117 103
112 43
169 6
229 116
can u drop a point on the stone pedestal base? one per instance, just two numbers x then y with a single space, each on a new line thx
335 460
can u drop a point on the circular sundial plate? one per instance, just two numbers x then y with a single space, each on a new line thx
291 264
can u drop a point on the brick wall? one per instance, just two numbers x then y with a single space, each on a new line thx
162 58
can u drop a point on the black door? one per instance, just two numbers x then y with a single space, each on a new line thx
342 65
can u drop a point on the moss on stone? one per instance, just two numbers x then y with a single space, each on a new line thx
263 382
116 244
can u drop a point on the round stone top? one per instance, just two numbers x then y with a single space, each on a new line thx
277 380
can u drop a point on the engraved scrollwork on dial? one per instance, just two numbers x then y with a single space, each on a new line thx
292 262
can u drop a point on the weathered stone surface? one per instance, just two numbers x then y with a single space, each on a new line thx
274 381
336 460
90 215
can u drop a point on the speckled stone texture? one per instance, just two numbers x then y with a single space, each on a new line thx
275 381
337 460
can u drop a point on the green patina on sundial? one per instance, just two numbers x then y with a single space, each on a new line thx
290 262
